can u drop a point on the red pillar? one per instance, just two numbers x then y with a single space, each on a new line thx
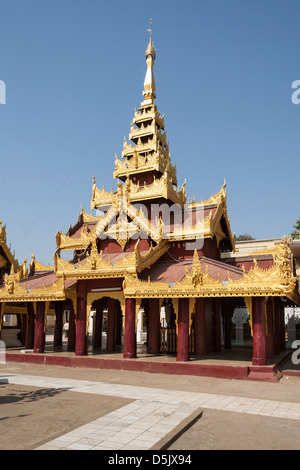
270 335
59 310
129 334
111 326
29 342
183 330
200 327
39 334
153 326
259 331
98 324
71 332
81 333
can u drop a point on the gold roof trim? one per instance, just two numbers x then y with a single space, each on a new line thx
275 281
13 291
161 187
65 242
36 266
149 258
155 161
7 249
94 266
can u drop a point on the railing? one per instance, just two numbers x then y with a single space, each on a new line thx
168 340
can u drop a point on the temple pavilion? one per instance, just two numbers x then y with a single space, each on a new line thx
148 246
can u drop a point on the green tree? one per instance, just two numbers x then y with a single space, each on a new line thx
296 233
243 237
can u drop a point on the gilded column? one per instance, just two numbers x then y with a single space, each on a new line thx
129 334
183 330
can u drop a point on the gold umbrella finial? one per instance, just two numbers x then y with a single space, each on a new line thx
150 29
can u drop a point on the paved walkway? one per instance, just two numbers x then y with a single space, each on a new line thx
143 423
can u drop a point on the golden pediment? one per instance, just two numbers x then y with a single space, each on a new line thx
65 242
14 291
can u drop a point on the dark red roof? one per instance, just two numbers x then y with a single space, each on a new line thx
170 271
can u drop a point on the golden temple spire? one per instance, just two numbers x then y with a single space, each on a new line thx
149 82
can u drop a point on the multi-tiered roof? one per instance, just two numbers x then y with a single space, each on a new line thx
149 255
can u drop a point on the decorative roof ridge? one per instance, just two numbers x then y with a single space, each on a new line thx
7 249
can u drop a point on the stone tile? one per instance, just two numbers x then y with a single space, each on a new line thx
147 419
112 445
76 446
89 441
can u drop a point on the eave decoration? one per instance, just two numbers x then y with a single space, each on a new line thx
275 281
16 291
9 256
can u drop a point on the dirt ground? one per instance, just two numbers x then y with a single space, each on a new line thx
223 430
32 416
29 417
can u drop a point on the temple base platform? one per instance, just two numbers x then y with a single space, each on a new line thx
234 364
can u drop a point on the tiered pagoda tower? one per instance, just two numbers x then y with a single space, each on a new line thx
147 156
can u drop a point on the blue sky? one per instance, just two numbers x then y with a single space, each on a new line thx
74 72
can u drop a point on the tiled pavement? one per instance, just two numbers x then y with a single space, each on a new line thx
144 422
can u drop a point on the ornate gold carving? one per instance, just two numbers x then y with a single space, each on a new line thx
215 229
149 258
7 249
65 242
94 266
35 266
160 187
275 281
14 291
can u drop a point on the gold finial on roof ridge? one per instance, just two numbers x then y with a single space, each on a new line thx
149 83
150 48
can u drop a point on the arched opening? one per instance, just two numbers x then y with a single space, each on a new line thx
106 325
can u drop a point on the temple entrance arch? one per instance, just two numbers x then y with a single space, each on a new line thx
168 326
108 309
